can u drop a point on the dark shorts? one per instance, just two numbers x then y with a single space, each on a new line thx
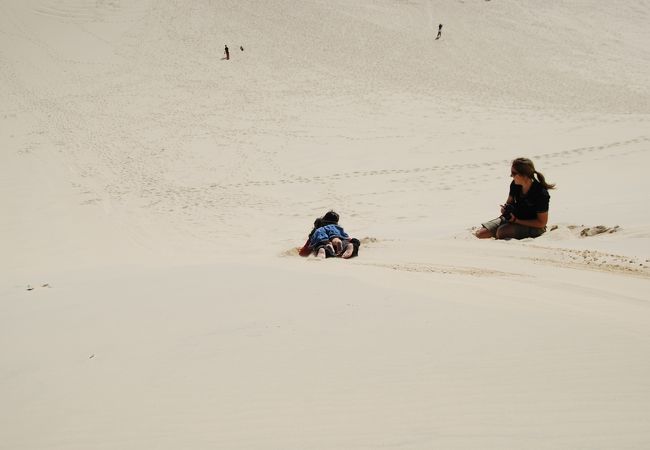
345 242
520 231
329 248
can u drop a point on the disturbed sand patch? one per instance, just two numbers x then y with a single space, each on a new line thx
593 260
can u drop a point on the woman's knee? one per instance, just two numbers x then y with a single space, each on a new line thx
505 232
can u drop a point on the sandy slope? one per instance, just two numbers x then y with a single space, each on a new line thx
153 195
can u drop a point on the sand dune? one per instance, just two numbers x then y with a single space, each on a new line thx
153 196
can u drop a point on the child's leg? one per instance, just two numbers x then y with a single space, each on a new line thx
337 244
347 253
329 250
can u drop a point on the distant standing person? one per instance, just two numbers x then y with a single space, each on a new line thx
439 31
227 52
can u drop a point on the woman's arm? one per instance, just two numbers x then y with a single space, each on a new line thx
539 222
509 201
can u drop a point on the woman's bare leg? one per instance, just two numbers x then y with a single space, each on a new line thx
506 231
483 233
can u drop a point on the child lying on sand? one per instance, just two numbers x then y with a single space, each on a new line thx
328 239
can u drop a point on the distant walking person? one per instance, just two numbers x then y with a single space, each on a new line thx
227 52
241 47
439 31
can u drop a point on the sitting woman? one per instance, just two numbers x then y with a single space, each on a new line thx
525 213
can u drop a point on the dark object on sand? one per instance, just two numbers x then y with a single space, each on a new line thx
356 244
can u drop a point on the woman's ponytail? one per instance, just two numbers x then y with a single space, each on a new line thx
542 181
525 167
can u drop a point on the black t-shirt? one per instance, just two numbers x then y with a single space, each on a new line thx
535 201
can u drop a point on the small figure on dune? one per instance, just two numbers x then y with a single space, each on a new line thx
439 32
328 239
227 52
525 213
241 47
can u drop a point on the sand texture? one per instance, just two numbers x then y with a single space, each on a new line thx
153 196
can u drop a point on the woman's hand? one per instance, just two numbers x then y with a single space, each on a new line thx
509 201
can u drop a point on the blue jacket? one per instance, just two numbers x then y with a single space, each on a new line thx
324 234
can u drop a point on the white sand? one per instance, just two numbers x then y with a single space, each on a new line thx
152 196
